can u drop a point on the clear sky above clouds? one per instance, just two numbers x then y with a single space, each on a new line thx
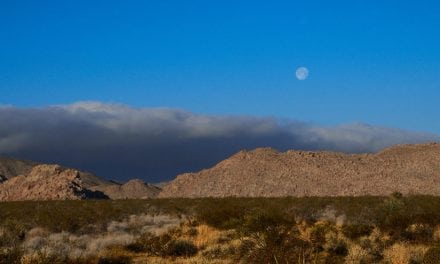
376 62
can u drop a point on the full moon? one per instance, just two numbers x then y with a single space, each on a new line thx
302 73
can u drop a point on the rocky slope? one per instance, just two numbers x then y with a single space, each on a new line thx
267 173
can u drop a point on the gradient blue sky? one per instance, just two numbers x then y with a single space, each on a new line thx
376 62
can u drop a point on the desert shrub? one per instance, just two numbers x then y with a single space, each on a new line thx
163 245
354 231
279 245
114 257
114 260
221 214
335 245
317 234
432 255
420 233
373 246
41 257
227 236
358 255
180 248
219 252
192 231
12 233
404 253
392 215
152 244
261 221
10 255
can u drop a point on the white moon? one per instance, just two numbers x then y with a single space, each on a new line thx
302 73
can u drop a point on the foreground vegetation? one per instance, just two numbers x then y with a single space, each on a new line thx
394 229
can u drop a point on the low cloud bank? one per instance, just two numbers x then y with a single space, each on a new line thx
120 142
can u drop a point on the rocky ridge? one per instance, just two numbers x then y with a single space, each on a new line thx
32 181
47 182
265 172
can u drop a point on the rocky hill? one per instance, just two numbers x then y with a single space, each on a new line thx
265 172
47 182
23 180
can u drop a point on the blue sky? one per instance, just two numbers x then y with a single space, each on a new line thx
376 62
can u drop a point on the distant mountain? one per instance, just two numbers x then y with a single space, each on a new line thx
265 172
26 180
132 189
12 167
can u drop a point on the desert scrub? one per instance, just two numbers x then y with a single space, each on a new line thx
317 234
419 233
164 245
219 252
12 233
432 255
279 245
11 255
246 230
404 253
73 246
180 248
355 231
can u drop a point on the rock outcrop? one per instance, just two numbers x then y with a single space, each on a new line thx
47 182
53 182
265 172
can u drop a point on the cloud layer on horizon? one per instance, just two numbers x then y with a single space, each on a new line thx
119 142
